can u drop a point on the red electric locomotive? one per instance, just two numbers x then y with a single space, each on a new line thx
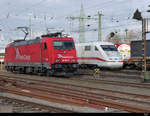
48 54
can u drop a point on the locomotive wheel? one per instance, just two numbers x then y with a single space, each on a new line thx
49 72
40 74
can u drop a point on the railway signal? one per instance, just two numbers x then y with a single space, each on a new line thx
137 15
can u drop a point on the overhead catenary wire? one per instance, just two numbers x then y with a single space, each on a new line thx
77 11
116 19
101 5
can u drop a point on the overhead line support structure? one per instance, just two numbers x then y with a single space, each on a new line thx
144 32
100 26
82 29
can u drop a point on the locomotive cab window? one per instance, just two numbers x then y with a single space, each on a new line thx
87 48
1 54
45 46
63 44
5 50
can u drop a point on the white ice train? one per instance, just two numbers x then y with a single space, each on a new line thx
100 54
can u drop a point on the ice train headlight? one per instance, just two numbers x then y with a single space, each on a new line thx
120 58
110 59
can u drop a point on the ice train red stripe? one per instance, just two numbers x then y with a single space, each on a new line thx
95 58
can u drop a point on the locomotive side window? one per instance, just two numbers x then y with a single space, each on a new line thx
45 46
1 54
96 49
6 50
63 45
87 48
109 48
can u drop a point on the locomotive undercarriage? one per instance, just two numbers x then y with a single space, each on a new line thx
55 69
64 69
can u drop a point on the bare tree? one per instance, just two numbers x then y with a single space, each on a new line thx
113 37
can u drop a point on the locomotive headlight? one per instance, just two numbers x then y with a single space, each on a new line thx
57 60
73 60
120 58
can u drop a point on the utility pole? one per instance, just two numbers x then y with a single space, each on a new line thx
144 29
126 37
99 26
81 26
45 18
30 25
146 74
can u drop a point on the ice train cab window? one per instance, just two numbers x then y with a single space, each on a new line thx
96 49
87 48
109 48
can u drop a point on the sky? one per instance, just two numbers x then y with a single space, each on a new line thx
52 14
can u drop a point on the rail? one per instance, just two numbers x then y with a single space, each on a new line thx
76 95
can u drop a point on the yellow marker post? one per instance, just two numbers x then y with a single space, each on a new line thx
96 72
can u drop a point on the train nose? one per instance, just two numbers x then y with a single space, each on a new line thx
115 62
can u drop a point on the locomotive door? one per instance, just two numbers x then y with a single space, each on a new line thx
44 54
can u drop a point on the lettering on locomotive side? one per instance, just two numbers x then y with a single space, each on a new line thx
21 57
60 56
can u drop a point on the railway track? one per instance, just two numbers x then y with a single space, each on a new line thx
76 95
25 106
110 82
124 73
